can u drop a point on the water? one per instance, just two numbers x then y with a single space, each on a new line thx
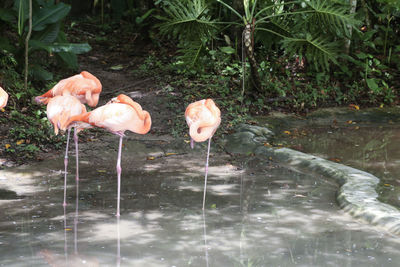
372 147
257 214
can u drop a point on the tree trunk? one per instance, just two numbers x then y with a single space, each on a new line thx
353 6
248 40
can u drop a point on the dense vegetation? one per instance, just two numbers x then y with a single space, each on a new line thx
251 56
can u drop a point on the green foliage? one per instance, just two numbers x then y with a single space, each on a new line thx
190 22
314 29
47 35
30 134
28 128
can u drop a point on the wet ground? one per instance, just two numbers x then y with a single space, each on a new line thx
257 212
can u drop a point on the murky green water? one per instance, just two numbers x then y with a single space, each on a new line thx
373 148
258 214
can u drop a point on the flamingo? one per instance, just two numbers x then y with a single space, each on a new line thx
203 118
117 116
85 86
3 98
59 110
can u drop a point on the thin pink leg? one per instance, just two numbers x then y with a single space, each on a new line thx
205 177
119 174
76 139
118 245
76 218
65 169
65 236
191 143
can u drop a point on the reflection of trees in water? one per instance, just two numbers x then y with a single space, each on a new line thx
374 149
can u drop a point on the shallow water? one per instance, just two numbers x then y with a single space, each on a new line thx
372 147
257 214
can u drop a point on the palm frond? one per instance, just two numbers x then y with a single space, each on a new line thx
190 52
330 16
319 51
186 20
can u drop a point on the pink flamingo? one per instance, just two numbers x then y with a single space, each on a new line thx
117 116
3 98
203 118
59 110
85 86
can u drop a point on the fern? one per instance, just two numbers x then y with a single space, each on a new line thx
187 20
319 51
311 30
191 24
332 17
191 52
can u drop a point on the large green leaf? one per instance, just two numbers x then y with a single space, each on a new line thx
38 73
49 34
71 48
49 15
39 45
7 15
70 60
22 7
372 85
59 47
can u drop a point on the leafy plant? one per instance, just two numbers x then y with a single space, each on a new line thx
190 22
47 35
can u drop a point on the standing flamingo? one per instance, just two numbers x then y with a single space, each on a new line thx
3 98
203 118
117 116
85 86
59 110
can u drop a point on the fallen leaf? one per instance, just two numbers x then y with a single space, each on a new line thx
2 109
150 158
171 153
187 141
353 106
387 184
381 105
349 122
286 132
20 141
7 146
335 159
101 171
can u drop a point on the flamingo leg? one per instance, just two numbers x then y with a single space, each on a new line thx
119 174
205 176
76 153
65 169
118 244
76 218
65 237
